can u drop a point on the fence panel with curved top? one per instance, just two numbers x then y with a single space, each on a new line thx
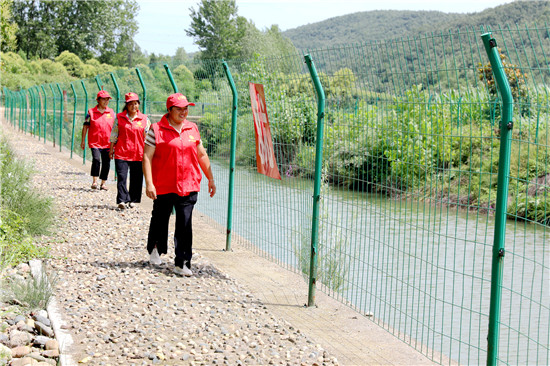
409 177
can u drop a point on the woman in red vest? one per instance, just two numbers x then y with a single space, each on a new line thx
172 157
127 140
98 124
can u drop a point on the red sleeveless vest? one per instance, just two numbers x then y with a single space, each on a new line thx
175 163
131 137
101 124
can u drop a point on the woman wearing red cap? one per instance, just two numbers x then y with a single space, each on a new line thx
172 156
127 140
98 124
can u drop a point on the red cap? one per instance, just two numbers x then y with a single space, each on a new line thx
130 97
177 100
103 94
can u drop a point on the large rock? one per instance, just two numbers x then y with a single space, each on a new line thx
19 338
43 329
41 340
52 344
20 351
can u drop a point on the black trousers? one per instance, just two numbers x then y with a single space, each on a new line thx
136 181
105 163
183 236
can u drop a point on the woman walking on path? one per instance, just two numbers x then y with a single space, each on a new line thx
172 156
99 123
127 140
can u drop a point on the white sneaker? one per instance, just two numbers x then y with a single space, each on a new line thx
154 258
131 205
183 271
121 205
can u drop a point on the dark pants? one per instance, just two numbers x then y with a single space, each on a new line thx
105 163
136 181
158 229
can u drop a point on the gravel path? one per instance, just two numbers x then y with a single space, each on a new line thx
122 311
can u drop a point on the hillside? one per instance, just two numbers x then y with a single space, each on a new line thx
390 24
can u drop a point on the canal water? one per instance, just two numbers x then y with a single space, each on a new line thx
422 271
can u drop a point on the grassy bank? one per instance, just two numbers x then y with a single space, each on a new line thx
25 213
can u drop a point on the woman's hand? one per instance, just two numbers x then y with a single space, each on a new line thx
211 188
151 191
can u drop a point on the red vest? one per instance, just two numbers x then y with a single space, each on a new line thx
131 137
101 124
175 163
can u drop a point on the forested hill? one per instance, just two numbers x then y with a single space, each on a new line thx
390 24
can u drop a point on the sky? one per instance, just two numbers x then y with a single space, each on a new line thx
162 23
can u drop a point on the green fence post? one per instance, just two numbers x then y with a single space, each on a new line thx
34 109
18 110
144 91
234 111
506 126
53 118
98 82
74 119
12 100
31 109
36 93
117 92
24 110
45 112
39 110
60 116
85 111
317 181
174 86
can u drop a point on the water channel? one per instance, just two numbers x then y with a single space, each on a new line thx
423 272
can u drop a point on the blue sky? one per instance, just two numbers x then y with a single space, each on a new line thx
162 23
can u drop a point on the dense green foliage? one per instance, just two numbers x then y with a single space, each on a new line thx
441 147
379 25
8 40
100 29
24 212
20 73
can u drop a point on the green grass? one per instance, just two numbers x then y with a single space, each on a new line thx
25 213
31 293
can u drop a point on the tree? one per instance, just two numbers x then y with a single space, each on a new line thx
8 27
180 57
217 29
93 28
268 43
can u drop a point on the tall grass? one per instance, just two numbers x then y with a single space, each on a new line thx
24 212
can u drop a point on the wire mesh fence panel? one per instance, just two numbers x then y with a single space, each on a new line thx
525 313
408 179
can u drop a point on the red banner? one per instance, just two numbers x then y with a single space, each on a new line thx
265 156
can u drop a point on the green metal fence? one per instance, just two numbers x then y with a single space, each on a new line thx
409 177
